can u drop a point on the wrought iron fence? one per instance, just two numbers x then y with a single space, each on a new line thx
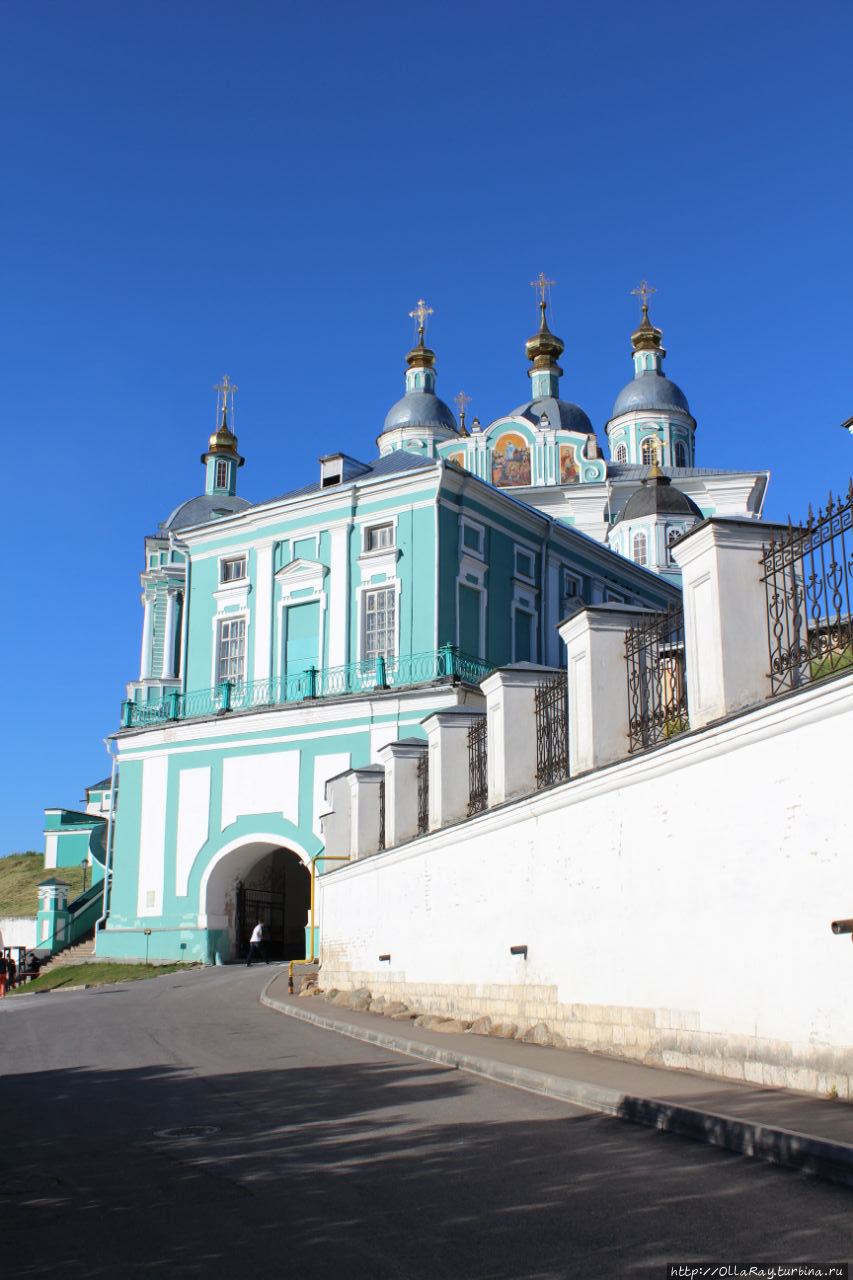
807 576
381 813
478 785
446 663
657 685
552 731
423 792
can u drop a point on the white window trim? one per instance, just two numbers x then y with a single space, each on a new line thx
482 590
221 616
390 584
471 552
230 617
525 600
531 553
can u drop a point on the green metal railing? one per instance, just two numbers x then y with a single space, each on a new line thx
446 663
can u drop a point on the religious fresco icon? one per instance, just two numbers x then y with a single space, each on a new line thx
569 473
511 461
458 458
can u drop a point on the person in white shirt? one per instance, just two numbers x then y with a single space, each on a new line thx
256 944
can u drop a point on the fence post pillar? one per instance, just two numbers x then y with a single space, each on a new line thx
597 684
174 697
727 651
447 735
126 713
336 821
224 695
511 733
400 760
52 918
364 787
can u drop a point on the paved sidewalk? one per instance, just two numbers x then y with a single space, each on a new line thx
779 1125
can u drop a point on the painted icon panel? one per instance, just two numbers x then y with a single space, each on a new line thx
511 461
569 471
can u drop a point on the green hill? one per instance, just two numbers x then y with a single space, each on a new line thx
20 876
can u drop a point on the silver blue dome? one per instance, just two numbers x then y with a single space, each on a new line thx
650 390
420 409
207 506
562 415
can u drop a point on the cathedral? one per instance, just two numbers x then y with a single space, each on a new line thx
289 640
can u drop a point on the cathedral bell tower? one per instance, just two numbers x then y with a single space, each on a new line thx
222 458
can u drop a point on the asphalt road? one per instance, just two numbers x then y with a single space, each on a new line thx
319 1157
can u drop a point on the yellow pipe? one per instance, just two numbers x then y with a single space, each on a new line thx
310 959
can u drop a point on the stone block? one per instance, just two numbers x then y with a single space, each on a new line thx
481 1026
753 1072
395 1006
537 1034
663 1018
451 1025
504 1030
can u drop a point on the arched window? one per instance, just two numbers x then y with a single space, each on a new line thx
680 454
650 451
640 553
671 534
621 453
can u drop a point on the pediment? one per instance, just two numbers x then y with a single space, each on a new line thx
301 570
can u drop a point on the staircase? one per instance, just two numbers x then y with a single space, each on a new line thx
82 952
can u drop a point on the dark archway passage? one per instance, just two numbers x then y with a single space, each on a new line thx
276 891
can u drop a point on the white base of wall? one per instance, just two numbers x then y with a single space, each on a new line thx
676 906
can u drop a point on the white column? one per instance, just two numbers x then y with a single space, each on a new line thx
511 716
598 684
447 734
401 760
725 616
168 669
147 638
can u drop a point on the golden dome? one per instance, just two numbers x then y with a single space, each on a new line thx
544 348
647 337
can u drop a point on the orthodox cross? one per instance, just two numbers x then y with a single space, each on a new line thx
226 388
542 285
421 311
462 401
644 291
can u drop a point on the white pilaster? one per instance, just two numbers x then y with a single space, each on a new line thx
511 734
447 734
339 575
725 616
598 684
401 760
263 586
335 822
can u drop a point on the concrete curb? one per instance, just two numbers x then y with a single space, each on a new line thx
832 1161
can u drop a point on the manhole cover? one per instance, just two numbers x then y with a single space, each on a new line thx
188 1131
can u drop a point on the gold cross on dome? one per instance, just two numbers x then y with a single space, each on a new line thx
421 311
643 291
224 389
462 401
542 284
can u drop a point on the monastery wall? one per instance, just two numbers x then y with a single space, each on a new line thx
676 906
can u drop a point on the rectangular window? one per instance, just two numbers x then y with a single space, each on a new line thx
523 564
221 479
232 570
472 538
232 647
379 537
380 614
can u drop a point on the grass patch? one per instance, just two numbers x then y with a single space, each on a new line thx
22 873
96 975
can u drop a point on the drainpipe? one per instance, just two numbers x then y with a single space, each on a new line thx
110 825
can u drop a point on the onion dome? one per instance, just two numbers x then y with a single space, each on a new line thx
544 348
420 406
657 495
649 389
223 440
207 506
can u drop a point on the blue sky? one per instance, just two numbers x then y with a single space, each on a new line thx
265 190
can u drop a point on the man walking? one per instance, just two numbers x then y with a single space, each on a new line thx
256 944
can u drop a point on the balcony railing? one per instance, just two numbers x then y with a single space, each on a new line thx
444 664
808 576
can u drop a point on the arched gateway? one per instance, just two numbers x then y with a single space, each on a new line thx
252 880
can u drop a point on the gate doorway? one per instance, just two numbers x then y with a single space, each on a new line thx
277 892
